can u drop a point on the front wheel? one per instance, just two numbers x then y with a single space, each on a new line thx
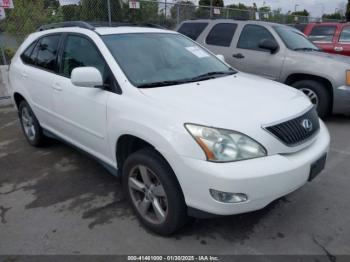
318 95
30 125
154 192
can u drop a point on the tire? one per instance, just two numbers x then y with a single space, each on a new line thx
314 88
28 120
148 161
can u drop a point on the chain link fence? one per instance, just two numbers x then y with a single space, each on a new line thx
28 15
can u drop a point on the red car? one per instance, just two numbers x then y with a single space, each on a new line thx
330 37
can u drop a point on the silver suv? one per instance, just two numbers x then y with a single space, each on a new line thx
280 53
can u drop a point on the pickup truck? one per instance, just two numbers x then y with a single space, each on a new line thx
330 37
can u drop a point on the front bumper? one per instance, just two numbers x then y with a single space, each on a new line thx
341 100
263 179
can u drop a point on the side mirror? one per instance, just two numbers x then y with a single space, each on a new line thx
269 44
86 77
221 57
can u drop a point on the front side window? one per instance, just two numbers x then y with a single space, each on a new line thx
221 34
79 52
322 33
252 35
192 30
163 59
345 35
27 56
46 52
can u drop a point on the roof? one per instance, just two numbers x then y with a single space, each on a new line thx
258 22
129 29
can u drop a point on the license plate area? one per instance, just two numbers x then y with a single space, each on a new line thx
317 167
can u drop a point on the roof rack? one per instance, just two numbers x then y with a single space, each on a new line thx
81 24
93 25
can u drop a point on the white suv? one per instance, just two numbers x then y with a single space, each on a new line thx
189 135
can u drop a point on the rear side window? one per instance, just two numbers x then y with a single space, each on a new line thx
252 35
46 52
345 35
192 30
322 33
221 34
27 56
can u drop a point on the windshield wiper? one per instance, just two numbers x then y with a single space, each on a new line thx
306 49
210 75
161 83
202 77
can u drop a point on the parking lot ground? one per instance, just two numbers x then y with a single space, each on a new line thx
56 200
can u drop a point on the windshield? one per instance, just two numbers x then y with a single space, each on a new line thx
294 39
161 59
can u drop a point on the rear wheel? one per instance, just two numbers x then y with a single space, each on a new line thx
154 192
30 125
318 95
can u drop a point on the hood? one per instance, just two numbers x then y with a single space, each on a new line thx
324 55
231 102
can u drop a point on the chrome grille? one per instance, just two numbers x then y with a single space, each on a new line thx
298 130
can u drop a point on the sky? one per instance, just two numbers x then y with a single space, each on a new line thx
315 7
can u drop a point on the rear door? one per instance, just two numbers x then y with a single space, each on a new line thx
80 111
250 58
39 73
343 41
324 36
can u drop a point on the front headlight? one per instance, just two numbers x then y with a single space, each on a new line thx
220 145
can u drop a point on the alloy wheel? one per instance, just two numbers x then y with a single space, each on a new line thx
28 123
148 194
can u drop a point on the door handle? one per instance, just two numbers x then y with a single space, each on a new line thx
238 56
56 87
24 75
338 49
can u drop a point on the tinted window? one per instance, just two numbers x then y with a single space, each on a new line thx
251 37
192 30
221 34
46 49
79 52
27 54
322 33
345 35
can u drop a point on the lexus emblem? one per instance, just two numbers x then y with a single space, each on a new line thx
307 125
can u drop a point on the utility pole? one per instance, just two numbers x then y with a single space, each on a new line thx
295 8
211 8
109 13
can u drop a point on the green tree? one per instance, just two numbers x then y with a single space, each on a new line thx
301 13
27 16
347 14
203 10
148 13
334 16
97 10
185 9
238 11
71 12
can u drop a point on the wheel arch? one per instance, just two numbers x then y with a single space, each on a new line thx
293 78
128 144
18 98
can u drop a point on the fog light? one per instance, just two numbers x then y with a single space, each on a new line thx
226 197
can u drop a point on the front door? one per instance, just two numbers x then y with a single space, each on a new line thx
250 58
81 111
